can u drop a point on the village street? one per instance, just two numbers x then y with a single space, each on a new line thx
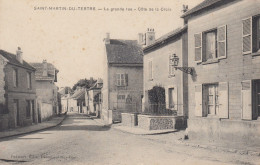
81 140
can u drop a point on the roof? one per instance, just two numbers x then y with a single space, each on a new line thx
12 60
124 52
39 71
203 5
162 39
79 94
96 86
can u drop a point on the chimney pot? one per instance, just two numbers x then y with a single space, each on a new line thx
19 55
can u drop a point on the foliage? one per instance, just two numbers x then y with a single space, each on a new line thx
157 95
87 83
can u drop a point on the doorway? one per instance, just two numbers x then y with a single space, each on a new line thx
16 111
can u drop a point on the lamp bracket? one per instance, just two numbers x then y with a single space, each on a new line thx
188 70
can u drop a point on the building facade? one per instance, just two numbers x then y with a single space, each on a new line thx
159 71
17 91
223 48
123 78
46 90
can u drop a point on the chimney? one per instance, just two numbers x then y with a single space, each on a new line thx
99 82
107 39
185 8
45 68
19 55
150 37
141 38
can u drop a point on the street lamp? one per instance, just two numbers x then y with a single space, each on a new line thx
175 61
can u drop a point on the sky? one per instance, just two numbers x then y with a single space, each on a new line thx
72 40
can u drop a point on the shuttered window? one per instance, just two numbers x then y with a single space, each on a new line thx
150 69
198 47
246 99
247 35
221 40
223 96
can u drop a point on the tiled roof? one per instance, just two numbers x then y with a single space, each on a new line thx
202 5
12 60
79 94
124 52
39 71
166 36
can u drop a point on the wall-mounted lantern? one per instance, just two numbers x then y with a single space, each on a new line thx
175 62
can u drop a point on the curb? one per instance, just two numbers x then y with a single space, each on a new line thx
217 148
41 129
156 133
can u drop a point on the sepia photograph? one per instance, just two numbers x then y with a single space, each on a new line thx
130 82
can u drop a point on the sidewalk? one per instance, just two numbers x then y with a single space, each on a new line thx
177 138
33 128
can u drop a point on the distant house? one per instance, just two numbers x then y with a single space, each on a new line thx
123 78
64 93
17 91
93 98
224 50
46 90
77 100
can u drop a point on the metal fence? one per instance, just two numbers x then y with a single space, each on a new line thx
125 107
160 110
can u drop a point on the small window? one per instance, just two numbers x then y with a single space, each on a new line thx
15 78
257 38
29 80
211 45
28 108
121 97
171 67
150 69
120 79
212 99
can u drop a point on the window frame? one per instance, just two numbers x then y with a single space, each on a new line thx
15 77
29 80
121 80
215 95
150 69
204 42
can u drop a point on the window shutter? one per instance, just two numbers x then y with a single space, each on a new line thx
246 101
222 42
126 79
198 100
223 100
198 47
247 35
175 98
115 79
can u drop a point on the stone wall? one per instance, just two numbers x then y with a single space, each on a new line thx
46 111
160 122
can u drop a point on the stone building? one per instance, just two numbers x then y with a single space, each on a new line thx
123 78
46 90
224 50
93 98
17 91
160 72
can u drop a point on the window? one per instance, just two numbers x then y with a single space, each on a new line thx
150 69
121 79
212 99
4 106
250 92
28 108
120 98
172 98
15 78
171 67
211 45
251 34
29 80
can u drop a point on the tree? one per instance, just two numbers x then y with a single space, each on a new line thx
87 83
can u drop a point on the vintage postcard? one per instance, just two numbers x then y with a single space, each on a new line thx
130 82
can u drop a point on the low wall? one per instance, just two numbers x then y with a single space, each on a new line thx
226 130
148 122
129 119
